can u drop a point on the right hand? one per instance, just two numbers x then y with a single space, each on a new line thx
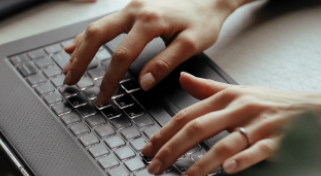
187 27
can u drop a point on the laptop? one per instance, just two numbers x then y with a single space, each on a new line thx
51 129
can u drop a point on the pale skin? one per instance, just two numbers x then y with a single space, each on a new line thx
189 27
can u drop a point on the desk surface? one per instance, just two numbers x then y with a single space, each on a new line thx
263 43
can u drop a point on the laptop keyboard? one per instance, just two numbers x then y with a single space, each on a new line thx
114 133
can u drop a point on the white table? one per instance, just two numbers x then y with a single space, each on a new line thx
281 51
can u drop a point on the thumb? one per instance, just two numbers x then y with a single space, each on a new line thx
201 88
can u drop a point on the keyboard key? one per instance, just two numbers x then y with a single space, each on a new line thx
130 133
52 99
120 122
52 71
78 100
134 111
105 64
98 150
88 140
53 48
130 86
98 82
79 128
85 83
114 142
92 64
138 144
36 79
70 118
35 54
143 121
198 155
95 120
184 164
195 149
119 171
150 131
27 69
134 164
92 92
112 112
44 62
124 153
172 173
101 107
124 102
19 59
105 131
68 91
67 42
118 93
62 108
58 81
127 77
61 59
143 173
96 73
103 55
146 159
44 88
108 162
87 110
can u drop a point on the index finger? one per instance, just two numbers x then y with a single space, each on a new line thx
128 50
97 34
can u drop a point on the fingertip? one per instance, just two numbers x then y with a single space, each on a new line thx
147 81
230 166
147 150
70 48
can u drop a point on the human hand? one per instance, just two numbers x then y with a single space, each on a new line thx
263 112
187 27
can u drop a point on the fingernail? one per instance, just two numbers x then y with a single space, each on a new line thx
182 73
147 149
67 78
155 166
230 166
147 81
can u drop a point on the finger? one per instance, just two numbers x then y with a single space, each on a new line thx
128 50
256 153
192 133
70 48
96 34
201 88
183 47
186 115
225 148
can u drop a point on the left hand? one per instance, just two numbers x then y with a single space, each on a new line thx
263 112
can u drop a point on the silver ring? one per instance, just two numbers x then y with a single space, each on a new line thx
245 133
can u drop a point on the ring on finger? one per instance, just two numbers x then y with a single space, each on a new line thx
244 133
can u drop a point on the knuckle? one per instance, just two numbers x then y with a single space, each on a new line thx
136 3
180 116
121 55
162 66
166 152
148 16
190 43
224 149
92 31
265 148
195 128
